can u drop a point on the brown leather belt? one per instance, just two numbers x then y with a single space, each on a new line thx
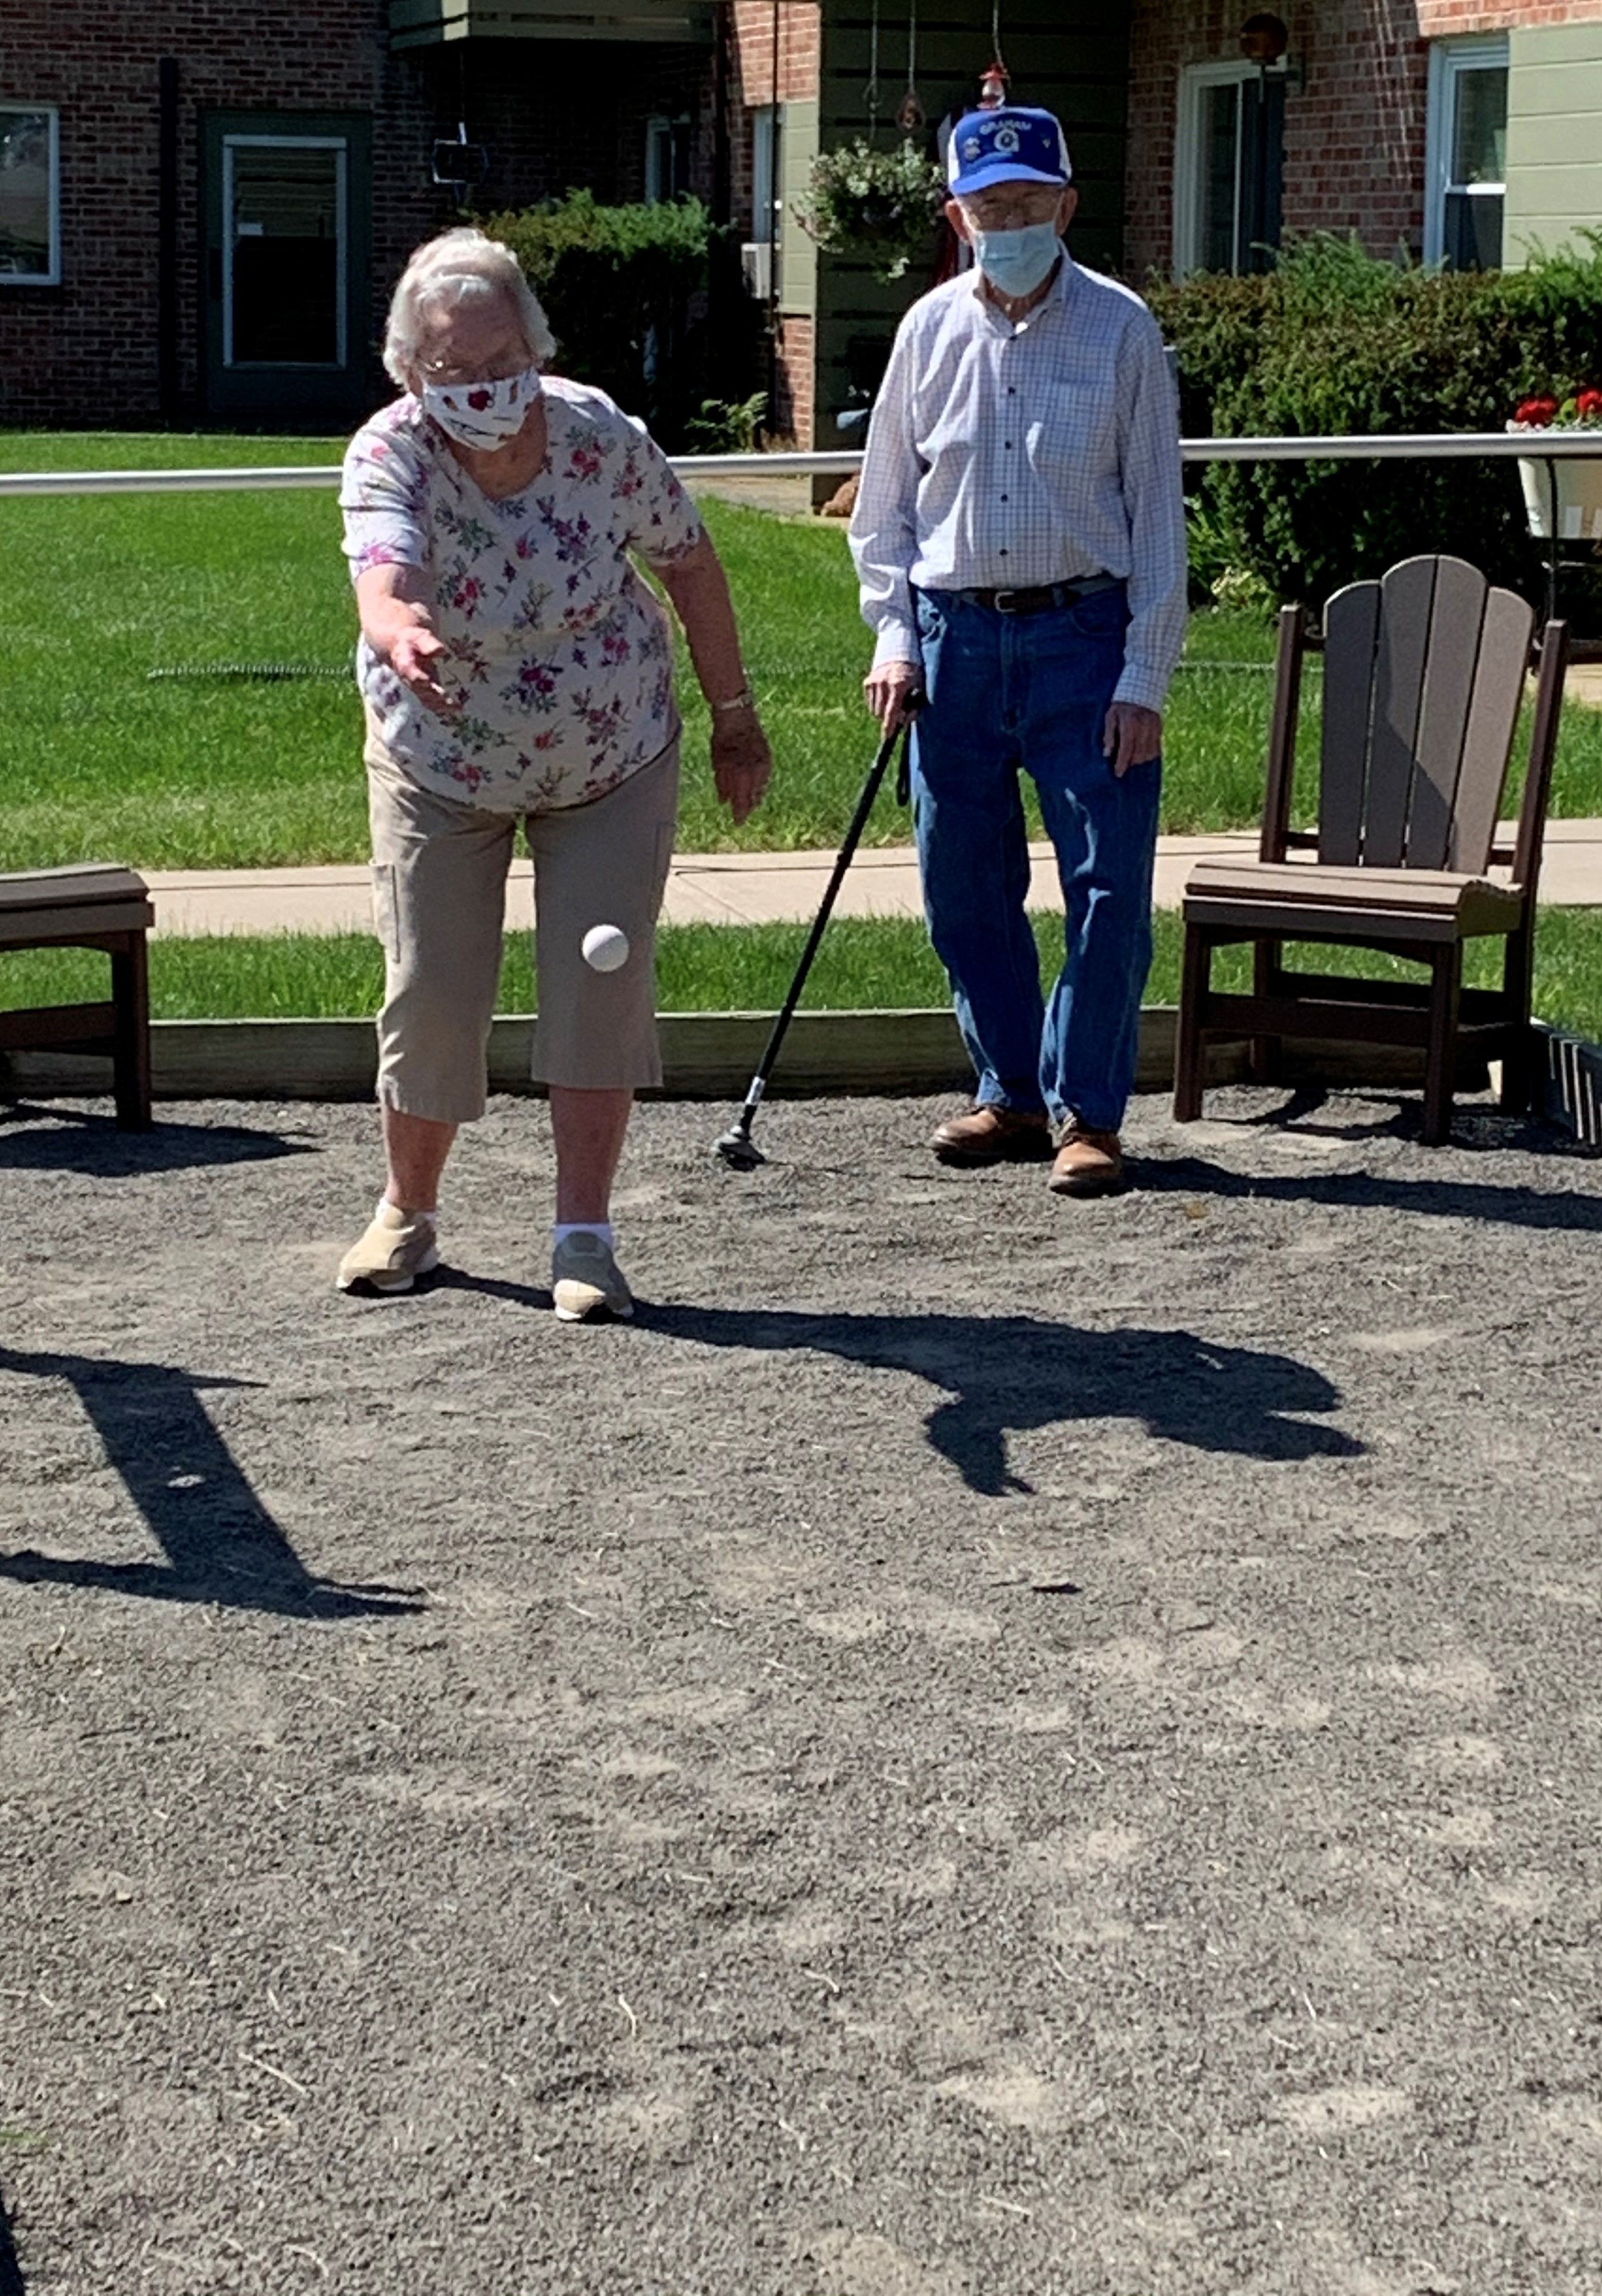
1043 599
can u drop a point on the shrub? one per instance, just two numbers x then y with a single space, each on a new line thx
646 301
727 426
1334 340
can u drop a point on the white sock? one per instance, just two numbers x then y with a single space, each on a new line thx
384 1205
562 1229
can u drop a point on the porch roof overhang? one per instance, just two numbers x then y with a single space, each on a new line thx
429 23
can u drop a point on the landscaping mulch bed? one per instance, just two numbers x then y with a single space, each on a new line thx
983 1744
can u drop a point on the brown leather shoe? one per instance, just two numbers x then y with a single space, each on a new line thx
989 1135
1088 1162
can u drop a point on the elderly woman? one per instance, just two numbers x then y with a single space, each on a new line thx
514 666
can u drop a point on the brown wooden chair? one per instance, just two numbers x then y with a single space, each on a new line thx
1423 677
90 906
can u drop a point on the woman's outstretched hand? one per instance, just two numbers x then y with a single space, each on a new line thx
417 655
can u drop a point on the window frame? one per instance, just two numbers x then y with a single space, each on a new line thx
1450 59
339 145
765 132
51 275
1194 82
662 135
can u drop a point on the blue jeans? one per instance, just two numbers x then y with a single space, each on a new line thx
1011 692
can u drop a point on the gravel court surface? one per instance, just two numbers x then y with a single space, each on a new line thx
983 1744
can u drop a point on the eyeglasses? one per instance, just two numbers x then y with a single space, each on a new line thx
1009 206
508 359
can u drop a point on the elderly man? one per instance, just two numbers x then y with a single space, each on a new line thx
1019 538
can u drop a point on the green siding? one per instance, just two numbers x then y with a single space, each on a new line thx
426 23
798 254
1554 136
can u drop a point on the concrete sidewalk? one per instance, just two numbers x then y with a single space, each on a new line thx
739 888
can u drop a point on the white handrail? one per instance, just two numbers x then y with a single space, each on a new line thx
1447 446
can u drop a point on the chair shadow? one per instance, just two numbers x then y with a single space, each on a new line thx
221 1544
79 1140
11 2282
1017 1371
1477 1131
1442 1199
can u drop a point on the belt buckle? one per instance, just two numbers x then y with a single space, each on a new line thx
1002 600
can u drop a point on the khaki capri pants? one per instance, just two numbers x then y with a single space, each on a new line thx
438 899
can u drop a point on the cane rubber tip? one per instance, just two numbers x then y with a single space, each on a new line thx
740 1152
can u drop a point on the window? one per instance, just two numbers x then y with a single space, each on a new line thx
667 158
1228 167
31 242
1465 154
284 272
764 173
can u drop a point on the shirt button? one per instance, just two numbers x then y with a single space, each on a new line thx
1008 445
1004 497
1001 553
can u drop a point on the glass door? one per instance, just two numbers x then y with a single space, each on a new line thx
289 270
285 250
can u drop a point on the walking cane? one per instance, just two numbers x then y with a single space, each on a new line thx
736 1146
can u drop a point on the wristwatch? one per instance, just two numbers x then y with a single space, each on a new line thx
744 700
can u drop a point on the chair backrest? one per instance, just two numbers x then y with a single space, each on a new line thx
1423 676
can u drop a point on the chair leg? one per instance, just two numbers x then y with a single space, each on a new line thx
1446 988
1263 1053
130 994
1194 986
1518 1049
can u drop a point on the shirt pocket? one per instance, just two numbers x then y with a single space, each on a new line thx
1073 441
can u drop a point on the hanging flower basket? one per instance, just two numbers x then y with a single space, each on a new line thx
1563 499
878 204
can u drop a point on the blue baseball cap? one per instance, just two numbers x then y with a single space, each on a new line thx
1013 145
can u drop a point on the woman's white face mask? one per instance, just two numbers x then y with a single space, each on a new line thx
483 414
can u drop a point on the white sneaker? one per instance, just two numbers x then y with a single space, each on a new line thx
587 1280
398 1248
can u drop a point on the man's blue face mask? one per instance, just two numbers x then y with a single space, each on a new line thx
1015 261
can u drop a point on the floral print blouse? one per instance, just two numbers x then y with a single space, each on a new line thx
561 650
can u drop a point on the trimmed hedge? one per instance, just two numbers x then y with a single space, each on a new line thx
1334 340
646 302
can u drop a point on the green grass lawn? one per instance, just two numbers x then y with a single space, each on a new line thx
863 962
103 759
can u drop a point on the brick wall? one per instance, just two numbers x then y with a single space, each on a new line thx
1353 135
551 115
86 352
799 49
1443 19
751 85
794 400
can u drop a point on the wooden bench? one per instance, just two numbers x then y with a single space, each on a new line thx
91 905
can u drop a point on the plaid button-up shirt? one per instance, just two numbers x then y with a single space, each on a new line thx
1004 457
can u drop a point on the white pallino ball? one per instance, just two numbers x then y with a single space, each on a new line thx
605 947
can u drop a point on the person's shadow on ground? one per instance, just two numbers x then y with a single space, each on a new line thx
35 1138
1018 1372
221 1544
11 2271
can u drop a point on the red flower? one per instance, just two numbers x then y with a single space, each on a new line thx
479 400
1536 411
1589 402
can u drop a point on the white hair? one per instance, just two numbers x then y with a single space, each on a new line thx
460 267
